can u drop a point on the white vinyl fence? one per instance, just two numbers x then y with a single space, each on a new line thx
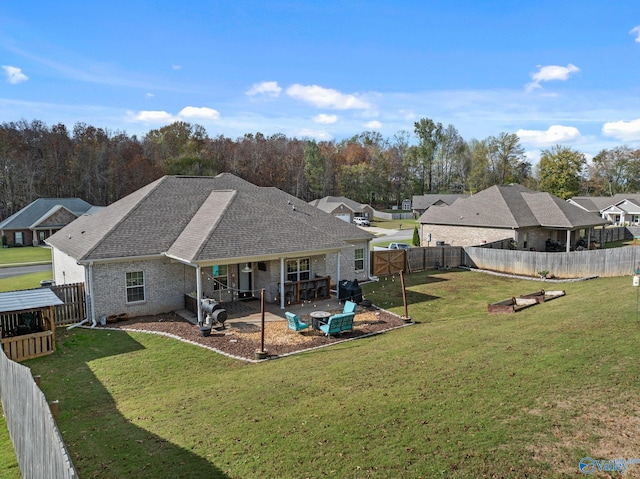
39 448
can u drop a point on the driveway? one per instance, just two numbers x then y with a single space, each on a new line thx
389 235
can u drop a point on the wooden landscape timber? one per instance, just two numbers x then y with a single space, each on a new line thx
513 304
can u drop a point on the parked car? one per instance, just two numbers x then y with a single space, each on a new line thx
361 221
399 246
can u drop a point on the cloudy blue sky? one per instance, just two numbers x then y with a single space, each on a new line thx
553 72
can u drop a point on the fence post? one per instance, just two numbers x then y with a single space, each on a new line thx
55 410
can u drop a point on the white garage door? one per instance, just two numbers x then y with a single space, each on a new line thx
344 217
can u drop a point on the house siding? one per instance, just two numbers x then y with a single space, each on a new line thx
464 235
347 264
165 284
66 269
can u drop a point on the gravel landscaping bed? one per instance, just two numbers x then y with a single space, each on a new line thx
242 339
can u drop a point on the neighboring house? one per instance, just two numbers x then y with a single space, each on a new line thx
218 237
625 212
343 208
530 218
37 221
422 203
621 209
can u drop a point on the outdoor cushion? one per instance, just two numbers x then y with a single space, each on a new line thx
349 307
294 322
338 323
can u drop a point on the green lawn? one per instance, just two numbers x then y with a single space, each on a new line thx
395 224
24 255
24 281
459 394
9 468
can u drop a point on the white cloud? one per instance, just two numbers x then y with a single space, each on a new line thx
150 116
317 134
326 97
202 112
373 125
325 119
176 67
549 73
622 130
636 31
266 88
14 74
554 135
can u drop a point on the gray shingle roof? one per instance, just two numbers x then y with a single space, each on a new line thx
422 202
36 210
600 203
511 206
204 219
330 203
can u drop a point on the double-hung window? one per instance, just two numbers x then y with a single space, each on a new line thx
298 269
359 259
135 286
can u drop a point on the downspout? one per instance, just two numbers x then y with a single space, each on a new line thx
281 283
92 302
88 277
199 293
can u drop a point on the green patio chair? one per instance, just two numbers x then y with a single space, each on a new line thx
294 322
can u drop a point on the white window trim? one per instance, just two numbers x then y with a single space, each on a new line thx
143 285
356 260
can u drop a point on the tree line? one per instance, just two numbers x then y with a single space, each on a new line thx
101 166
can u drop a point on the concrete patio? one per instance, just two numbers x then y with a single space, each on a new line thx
248 310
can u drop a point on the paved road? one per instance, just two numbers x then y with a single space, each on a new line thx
20 270
389 235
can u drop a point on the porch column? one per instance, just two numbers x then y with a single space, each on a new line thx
568 247
338 273
367 258
281 283
199 293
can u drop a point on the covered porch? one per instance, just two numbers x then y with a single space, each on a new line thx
294 280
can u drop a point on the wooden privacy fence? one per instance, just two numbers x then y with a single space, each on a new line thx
387 262
27 334
35 436
74 308
29 346
575 264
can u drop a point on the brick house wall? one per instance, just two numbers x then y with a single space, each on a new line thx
463 235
